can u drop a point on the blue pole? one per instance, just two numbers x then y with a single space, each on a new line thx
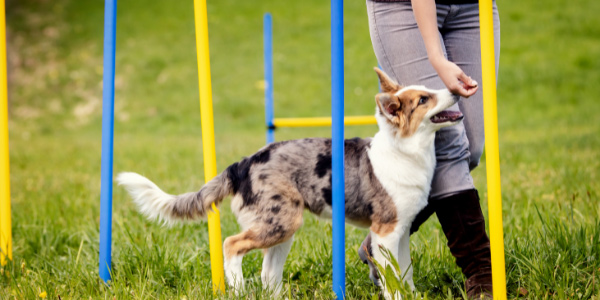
337 146
268 48
108 101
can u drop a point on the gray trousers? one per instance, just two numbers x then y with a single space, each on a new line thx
401 53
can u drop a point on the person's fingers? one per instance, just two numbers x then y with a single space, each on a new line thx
467 80
458 82
467 90
470 91
458 89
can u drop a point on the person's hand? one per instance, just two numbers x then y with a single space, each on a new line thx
454 78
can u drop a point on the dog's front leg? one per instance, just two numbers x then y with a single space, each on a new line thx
404 261
391 242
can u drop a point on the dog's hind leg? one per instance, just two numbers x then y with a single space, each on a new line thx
272 268
277 241
269 225
234 249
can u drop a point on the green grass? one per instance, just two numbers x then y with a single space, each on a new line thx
549 139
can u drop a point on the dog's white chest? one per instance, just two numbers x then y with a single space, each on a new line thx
406 179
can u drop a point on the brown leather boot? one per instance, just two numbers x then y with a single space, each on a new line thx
462 221
463 224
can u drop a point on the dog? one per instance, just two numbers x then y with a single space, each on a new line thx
387 182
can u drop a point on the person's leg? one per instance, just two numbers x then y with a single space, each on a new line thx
464 226
460 213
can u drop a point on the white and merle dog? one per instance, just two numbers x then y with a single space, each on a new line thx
388 180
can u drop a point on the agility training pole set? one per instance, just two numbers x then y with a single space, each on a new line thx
337 122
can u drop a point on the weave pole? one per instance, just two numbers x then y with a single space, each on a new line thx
268 57
208 141
490 113
108 112
5 219
337 147
322 121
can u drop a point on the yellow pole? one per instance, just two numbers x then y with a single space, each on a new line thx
492 152
322 121
5 222
208 140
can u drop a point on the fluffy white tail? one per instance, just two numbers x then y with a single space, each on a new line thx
156 204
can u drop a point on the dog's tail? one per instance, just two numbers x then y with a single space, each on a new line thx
156 204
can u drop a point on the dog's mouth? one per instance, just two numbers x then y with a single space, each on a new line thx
447 116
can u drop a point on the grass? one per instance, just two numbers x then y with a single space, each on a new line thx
549 140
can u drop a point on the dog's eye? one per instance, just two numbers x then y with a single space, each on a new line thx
423 100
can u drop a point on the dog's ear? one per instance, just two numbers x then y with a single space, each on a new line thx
387 84
389 103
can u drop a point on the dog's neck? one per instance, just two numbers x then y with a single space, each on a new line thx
413 155
420 144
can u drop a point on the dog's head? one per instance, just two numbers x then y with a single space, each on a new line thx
413 108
